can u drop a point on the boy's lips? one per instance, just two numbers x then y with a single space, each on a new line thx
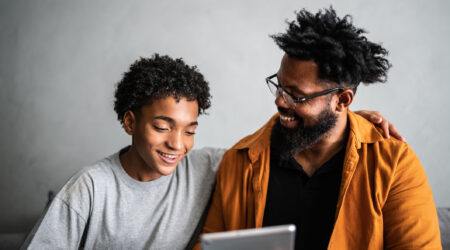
169 158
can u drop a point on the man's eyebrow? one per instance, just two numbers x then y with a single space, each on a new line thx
168 119
291 88
294 90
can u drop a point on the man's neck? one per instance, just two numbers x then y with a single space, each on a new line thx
312 158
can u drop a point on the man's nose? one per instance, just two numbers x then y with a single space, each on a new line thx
280 102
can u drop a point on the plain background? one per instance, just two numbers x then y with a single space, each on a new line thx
60 61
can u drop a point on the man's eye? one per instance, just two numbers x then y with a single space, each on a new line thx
190 133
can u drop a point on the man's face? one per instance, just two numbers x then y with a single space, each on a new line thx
305 124
164 133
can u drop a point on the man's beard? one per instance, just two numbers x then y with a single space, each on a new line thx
288 142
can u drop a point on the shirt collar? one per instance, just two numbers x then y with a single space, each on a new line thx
361 129
259 141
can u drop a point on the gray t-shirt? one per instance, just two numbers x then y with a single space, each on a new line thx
102 207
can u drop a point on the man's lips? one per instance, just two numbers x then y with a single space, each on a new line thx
286 115
287 118
169 158
288 121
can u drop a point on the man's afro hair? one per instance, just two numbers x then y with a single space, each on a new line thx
341 51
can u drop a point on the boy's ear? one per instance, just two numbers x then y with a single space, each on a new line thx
129 122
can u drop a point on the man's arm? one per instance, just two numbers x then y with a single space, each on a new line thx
409 214
214 220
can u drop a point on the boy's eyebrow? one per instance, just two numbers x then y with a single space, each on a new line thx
193 124
165 118
168 119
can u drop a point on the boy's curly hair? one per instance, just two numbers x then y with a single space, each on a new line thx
159 77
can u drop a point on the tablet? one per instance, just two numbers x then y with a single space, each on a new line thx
266 238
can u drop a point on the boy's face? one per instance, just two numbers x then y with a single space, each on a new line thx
164 133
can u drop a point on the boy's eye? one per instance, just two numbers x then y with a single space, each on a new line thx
160 128
190 133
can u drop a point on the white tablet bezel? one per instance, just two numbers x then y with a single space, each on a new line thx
274 237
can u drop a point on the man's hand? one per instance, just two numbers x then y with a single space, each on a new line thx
376 118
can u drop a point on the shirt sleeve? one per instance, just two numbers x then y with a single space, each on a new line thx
214 219
409 214
208 156
60 228
63 223
216 157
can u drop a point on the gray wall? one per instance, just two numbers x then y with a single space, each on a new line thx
60 61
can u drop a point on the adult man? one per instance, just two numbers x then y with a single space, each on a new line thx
318 165
150 194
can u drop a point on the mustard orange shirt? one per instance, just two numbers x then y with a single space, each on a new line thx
385 200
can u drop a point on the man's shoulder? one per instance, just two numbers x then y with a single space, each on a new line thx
393 153
363 131
390 154
250 148
260 137
252 142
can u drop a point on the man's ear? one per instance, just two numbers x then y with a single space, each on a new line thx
129 122
345 99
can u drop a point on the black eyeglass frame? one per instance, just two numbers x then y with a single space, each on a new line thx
300 99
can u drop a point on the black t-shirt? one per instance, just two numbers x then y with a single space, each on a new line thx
309 203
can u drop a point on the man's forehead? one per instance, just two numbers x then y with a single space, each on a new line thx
295 68
294 72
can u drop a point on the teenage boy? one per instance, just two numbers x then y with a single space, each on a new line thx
150 194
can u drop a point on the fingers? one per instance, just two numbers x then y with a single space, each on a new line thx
395 133
388 128
385 126
376 118
373 116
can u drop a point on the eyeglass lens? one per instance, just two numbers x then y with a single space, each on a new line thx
278 91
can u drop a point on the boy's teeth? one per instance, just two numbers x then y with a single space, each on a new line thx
169 156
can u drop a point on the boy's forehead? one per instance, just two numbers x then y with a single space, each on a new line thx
171 109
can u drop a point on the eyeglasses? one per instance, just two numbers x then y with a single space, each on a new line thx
291 100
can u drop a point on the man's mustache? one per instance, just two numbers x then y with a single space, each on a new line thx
284 111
